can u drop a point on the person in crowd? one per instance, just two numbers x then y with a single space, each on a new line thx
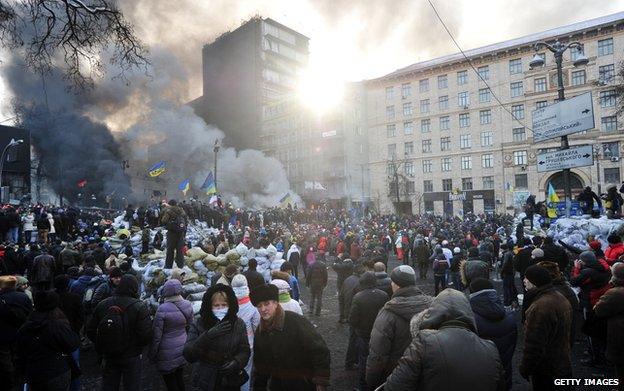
289 339
421 254
107 288
292 280
28 227
71 305
508 275
43 270
254 278
523 259
309 260
454 273
229 273
587 198
613 202
448 325
316 280
294 257
250 315
343 269
537 255
473 267
112 260
120 328
555 253
69 256
494 323
383 280
391 334
45 342
546 352
615 251
350 287
287 302
440 267
364 309
175 220
217 343
172 320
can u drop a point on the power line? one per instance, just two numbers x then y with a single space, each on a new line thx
475 70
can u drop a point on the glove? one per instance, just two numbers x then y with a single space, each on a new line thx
220 329
229 367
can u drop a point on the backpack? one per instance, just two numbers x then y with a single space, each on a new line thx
92 286
44 270
113 334
178 224
440 266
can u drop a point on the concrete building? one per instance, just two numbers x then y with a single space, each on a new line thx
246 70
441 142
16 169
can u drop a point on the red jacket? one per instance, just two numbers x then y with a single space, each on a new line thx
613 252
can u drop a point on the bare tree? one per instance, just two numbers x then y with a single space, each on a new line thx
72 35
619 89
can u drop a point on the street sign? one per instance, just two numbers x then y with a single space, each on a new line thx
566 117
565 158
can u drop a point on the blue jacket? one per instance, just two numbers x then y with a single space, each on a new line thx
294 288
80 285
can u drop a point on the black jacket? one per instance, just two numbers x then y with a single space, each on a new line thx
366 305
254 279
523 259
557 254
611 307
317 275
14 310
348 290
71 305
383 282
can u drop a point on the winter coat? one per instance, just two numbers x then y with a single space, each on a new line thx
421 252
523 259
557 254
171 213
547 334
496 325
71 305
563 286
613 252
343 270
383 282
45 341
347 291
208 354
14 310
611 306
293 255
28 222
473 268
446 352
365 306
254 279
51 223
172 319
593 279
317 275
292 356
391 333
79 286
507 268
42 269
69 257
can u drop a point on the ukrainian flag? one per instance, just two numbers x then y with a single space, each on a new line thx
552 201
286 199
184 186
209 186
157 169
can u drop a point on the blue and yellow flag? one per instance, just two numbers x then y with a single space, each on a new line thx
209 186
286 199
157 169
184 186
552 201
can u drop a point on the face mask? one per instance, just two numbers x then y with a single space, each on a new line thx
220 313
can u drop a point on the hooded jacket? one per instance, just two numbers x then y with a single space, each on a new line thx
391 332
433 360
593 279
611 306
473 268
613 252
366 305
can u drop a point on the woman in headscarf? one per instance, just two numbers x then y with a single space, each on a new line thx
249 314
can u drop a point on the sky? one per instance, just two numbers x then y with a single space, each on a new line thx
350 40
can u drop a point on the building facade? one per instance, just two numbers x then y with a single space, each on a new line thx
16 168
449 137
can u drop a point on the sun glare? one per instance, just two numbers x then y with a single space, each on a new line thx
319 90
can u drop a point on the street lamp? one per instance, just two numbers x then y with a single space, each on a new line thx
12 143
558 49
597 157
216 151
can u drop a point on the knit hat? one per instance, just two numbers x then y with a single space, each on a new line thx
115 272
282 286
613 239
403 275
239 286
368 280
537 253
8 282
617 270
553 268
230 270
456 250
588 257
595 245
46 301
178 274
480 284
264 292
537 275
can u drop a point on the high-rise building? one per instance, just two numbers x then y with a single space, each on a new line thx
442 140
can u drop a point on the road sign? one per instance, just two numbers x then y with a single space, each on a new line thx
565 158
566 117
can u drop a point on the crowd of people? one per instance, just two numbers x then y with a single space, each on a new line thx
63 289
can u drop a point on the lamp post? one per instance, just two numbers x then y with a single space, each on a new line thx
216 152
606 152
558 49
11 143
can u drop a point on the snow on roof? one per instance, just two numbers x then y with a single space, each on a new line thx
556 32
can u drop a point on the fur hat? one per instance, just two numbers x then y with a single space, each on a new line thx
617 271
537 275
8 282
264 292
552 267
403 275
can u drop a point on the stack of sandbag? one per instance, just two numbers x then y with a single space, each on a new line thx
194 292
264 264
242 251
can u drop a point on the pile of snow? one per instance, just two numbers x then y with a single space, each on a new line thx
573 231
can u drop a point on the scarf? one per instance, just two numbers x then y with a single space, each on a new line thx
275 323
243 300
284 297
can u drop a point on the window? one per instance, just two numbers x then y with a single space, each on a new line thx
484 72
409 148
487 160
409 168
539 84
516 89
608 124
607 98
485 117
466 162
606 73
410 187
576 53
408 127
520 158
447 185
407 109
425 125
462 77
427 166
466 183
427 186
465 141
390 169
484 95
522 181
424 106
442 81
605 46
406 90
389 93
518 111
445 123
578 77
515 66
446 164
519 134
612 175
464 120
462 99
542 103
445 144
426 145
391 130
389 112
423 85
391 150
611 149
443 102
488 182
487 139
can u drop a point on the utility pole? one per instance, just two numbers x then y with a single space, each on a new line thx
216 152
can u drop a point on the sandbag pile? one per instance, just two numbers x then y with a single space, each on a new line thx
573 231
